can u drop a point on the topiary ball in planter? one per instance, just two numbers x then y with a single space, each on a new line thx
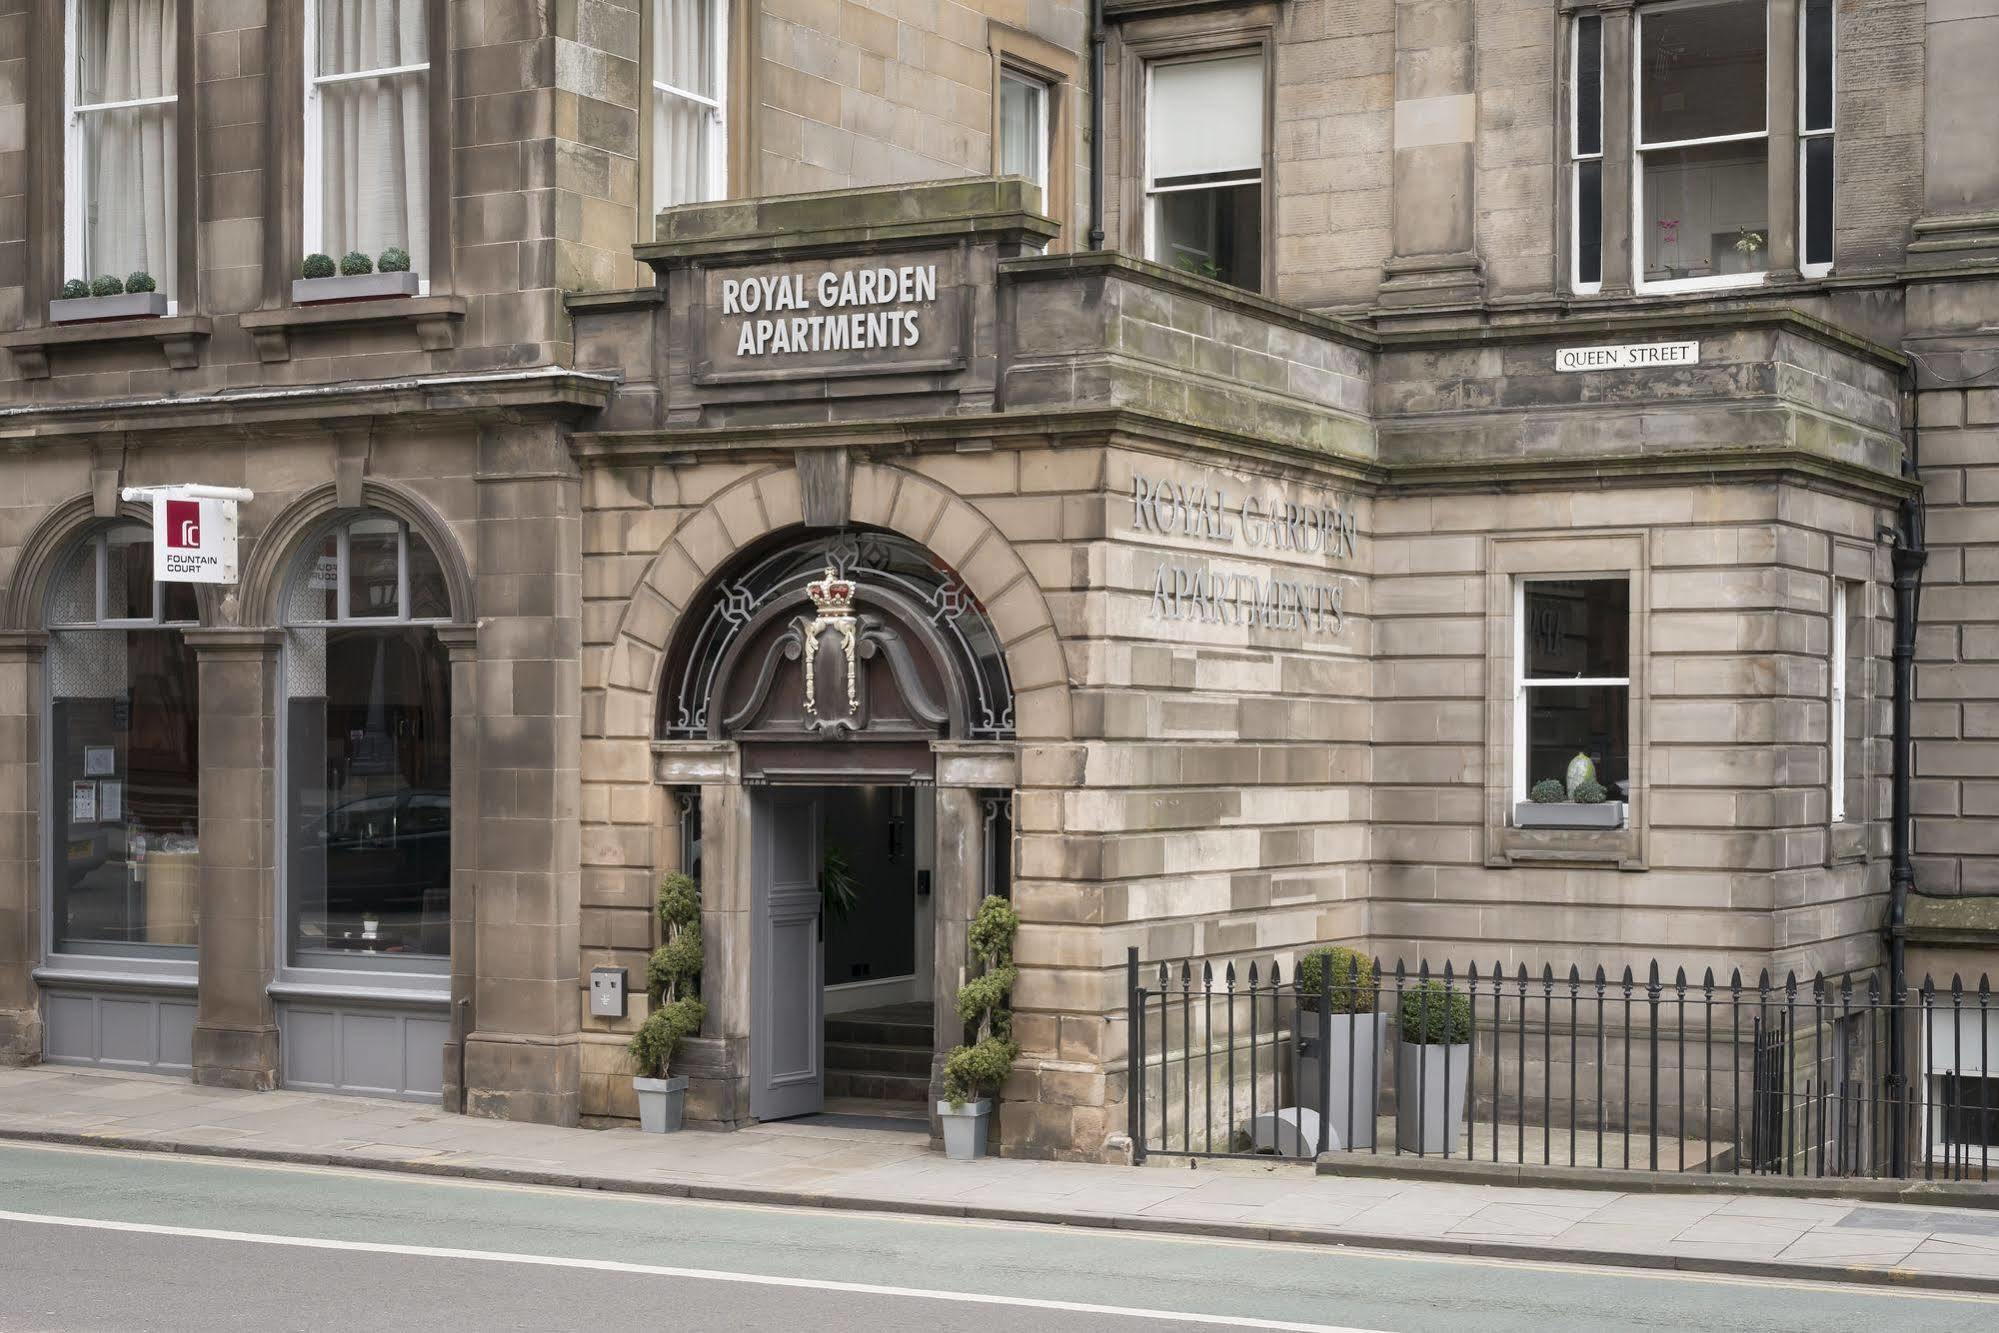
141 281
1352 976
1435 1015
395 259
1591 793
318 266
354 264
106 285
1548 791
76 289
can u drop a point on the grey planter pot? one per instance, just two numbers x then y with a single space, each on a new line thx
1568 814
130 305
965 1128
363 287
1430 1084
662 1103
1346 1085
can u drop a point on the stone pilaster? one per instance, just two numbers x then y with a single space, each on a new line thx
522 1059
20 838
1436 260
461 642
1783 104
958 883
1960 222
235 1028
1618 257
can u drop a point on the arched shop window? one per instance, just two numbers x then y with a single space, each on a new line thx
123 766
367 746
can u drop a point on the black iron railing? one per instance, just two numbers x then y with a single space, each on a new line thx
1786 1077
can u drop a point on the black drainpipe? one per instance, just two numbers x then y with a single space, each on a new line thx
1096 124
1908 558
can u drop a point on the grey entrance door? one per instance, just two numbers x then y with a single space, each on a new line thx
788 967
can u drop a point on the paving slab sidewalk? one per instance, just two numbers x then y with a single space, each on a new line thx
844 1166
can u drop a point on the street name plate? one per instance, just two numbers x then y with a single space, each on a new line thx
1628 356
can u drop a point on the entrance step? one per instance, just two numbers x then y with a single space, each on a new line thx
878 1087
882 1054
889 1025
867 1057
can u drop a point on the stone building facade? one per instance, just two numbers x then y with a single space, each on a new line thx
1231 540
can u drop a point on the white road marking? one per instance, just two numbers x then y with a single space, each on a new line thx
659 1270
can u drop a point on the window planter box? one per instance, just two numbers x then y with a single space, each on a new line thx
1568 814
127 305
361 287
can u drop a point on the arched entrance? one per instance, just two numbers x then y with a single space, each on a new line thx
851 694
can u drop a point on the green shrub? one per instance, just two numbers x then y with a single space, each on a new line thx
1352 978
673 980
679 901
675 965
354 264
317 266
979 1066
658 1039
141 281
76 289
1548 791
106 286
1591 793
395 259
1433 1016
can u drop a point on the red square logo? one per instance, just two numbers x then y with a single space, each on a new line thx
184 524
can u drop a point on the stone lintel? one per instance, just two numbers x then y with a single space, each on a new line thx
697 763
993 764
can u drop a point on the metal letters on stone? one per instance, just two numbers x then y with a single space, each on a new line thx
836 317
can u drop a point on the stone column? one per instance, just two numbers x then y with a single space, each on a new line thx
1960 222
716 1062
235 1026
1436 260
522 1060
1619 93
957 885
1783 104
20 843
461 642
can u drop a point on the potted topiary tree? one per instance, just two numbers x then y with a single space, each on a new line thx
1339 1070
1434 1066
1575 800
108 297
354 278
975 1071
673 981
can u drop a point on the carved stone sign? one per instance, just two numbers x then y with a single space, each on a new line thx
1284 600
834 317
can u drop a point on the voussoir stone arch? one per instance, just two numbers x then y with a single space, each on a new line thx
50 541
270 561
883 496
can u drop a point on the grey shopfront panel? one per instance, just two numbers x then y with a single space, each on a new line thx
366 1049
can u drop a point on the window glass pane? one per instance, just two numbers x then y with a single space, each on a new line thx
125 49
1205 118
683 46
429 598
374 558
1703 70
315 589
129 200
368 792
1023 138
178 605
73 591
123 740
1214 233
1817 110
1589 85
681 140
1707 210
1589 220
1563 722
1818 200
375 192
1578 629
128 573
354 35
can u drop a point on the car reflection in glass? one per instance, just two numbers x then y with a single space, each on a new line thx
388 873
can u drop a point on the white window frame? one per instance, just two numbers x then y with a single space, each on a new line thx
1955 1040
1152 192
313 201
76 202
716 108
1805 137
1522 683
1577 157
1038 131
1836 725
1639 148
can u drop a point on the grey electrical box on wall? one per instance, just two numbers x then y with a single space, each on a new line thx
607 992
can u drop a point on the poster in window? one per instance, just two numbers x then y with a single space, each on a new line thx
83 803
99 761
111 801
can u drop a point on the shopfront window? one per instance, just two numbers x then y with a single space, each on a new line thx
1573 684
123 758
367 752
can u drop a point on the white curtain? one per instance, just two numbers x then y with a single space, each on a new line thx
683 57
376 190
126 50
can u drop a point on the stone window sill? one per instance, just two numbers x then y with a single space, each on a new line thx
178 337
1567 846
1846 843
436 321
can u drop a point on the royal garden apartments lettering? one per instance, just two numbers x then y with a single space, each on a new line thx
1186 591
832 308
